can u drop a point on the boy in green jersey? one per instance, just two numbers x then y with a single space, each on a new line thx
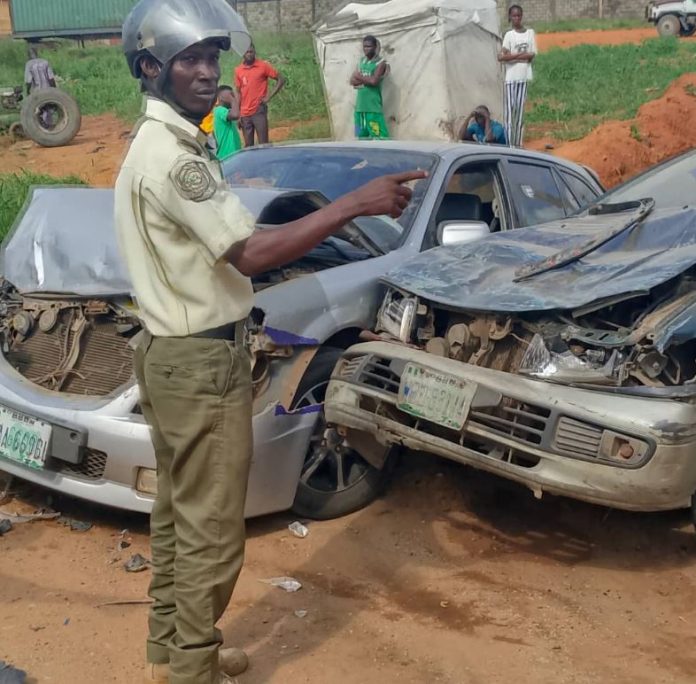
226 123
367 80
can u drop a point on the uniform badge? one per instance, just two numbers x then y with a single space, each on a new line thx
193 181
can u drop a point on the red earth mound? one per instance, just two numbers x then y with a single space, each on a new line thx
618 150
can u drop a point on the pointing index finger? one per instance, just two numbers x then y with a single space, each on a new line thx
406 176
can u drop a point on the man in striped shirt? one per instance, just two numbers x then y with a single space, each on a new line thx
38 73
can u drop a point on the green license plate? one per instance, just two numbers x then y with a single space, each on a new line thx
438 397
23 439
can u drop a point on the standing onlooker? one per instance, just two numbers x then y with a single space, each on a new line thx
38 73
367 80
519 50
251 78
225 118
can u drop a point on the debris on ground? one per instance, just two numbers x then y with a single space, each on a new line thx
300 613
298 529
5 526
6 481
16 518
136 563
125 602
11 675
123 543
289 584
75 525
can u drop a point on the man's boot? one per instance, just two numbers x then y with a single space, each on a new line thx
233 661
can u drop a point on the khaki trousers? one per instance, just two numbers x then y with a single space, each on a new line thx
196 397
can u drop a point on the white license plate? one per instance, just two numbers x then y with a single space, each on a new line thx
23 439
441 398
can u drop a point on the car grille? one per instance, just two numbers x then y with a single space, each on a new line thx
577 438
513 418
92 466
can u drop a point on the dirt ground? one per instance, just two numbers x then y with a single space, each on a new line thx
452 577
566 39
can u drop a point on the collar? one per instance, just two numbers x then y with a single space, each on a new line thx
161 111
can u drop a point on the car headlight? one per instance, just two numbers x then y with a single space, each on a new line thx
598 367
397 316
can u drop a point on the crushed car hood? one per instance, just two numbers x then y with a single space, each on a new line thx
64 240
489 275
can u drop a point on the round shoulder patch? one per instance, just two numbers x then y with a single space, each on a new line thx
193 181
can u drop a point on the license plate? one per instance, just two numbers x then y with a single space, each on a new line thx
23 439
438 397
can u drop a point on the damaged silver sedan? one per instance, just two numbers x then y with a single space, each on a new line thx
562 357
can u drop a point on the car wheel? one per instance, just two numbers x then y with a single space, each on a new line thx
334 481
668 25
50 117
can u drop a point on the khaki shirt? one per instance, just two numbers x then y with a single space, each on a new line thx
175 219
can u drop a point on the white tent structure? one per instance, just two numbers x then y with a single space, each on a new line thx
443 58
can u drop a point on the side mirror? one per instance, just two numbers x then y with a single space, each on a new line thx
458 232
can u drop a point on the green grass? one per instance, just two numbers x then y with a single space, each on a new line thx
14 188
98 77
575 90
588 25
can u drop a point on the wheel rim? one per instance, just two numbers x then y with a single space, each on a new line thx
670 27
329 470
51 117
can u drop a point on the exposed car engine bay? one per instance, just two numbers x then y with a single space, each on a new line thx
642 340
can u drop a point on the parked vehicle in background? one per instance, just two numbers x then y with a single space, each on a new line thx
559 356
68 322
79 19
672 18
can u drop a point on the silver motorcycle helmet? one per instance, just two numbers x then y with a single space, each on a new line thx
164 28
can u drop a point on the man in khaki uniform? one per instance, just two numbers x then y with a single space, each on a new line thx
190 247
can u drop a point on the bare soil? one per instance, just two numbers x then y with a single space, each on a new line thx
452 577
618 150
566 39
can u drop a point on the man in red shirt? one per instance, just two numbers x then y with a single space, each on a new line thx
251 78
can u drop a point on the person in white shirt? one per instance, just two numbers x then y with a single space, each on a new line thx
519 50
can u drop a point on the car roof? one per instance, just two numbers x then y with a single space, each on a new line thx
446 150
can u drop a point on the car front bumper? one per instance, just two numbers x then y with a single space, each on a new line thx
543 435
118 447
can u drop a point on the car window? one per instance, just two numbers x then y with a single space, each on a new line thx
670 184
582 192
535 193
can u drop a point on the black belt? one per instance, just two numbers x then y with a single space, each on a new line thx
222 332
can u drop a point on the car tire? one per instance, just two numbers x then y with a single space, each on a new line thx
64 108
689 31
320 495
669 25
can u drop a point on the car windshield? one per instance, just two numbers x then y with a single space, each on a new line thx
670 184
334 171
